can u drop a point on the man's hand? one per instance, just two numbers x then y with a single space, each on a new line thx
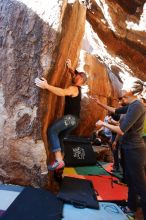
42 83
110 120
99 124
114 145
68 63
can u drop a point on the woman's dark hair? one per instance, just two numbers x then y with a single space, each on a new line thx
83 75
137 87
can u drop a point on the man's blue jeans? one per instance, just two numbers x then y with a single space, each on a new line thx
59 129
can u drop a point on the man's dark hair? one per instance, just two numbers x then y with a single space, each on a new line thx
137 87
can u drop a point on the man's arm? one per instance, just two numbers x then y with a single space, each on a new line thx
121 110
109 108
117 138
112 121
98 130
70 91
113 128
114 144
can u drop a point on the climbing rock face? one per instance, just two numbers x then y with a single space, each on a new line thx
35 40
25 54
106 39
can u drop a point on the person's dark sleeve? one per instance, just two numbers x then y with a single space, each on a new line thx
116 117
134 112
122 110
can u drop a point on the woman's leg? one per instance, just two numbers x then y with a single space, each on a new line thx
53 135
63 124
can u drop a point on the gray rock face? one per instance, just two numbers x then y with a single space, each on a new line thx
26 48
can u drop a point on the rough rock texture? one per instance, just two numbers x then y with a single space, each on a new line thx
105 38
30 37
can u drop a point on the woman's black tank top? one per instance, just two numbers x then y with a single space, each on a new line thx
73 104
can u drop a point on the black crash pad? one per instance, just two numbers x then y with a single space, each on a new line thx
34 204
